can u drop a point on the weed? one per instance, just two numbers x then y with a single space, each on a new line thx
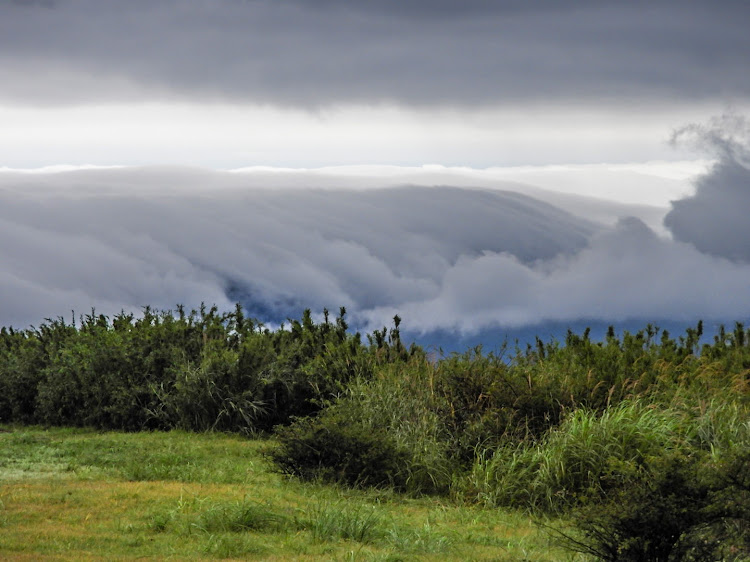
330 522
233 546
160 521
240 516
423 539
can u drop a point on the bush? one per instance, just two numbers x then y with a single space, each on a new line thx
677 510
388 424
334 450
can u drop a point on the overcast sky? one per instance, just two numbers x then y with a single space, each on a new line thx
231 83
464 163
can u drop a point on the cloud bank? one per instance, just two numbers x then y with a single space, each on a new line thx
441 256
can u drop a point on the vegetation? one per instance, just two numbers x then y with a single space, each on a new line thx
641 440
199 371
80 494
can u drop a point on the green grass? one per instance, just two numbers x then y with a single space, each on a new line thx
590 452
574 458
71 494
177 456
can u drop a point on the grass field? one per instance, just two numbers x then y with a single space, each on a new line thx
84 495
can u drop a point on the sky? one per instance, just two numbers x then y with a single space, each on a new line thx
468 165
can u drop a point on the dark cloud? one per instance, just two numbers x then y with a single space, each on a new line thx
715 218
442 257
35 3
436 9
313 53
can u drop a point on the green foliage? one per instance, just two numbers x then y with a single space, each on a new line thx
544 430
213 395
642 437
680 508
485 402
198 371
577 461
23 358
330 449
382 432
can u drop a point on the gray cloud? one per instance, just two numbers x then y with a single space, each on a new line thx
160 236
625 273
442 257
309 53
715 218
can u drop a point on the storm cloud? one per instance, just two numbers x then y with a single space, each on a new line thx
715 218
317 53
455 258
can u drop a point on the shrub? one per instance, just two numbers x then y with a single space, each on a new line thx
332 449
677 510
402 402
213 395
382 432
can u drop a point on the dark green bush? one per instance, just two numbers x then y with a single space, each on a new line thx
391 421
682 508
333 450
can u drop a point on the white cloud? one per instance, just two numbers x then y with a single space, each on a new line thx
625 273
441 257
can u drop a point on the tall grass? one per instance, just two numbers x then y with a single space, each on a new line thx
402 402
240 516
382 432
720 427
333 521
581 458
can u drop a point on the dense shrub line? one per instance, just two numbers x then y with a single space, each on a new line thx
196 371
642 439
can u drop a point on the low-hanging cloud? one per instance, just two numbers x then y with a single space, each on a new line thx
442 257
131 237
625 273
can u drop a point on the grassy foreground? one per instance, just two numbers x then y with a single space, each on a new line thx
71 494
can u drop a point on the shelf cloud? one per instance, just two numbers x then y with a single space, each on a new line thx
441 256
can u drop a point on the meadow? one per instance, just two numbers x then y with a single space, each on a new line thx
77 494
